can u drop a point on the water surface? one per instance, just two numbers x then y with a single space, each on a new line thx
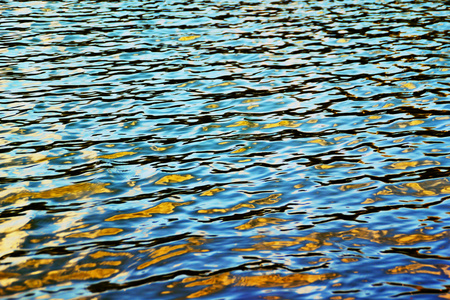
224 149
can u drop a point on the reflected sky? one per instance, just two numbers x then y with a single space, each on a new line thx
224 150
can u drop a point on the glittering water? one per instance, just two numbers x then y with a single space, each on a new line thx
224 150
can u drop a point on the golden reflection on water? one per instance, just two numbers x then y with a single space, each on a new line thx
271 199
245 123
160 149
411 164
240 150
347 187
166 252
416 268
408 123
292 124
24 159
99 265
174 178
259 222
162 208
14 232
216 283
425 188
98 140
324 166
212 192
321 142
117 155
101 254
70 192
96 233
102 267
78 272
317 240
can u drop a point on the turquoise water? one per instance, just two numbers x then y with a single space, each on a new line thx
224 149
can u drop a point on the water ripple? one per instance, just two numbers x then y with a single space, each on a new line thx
239 149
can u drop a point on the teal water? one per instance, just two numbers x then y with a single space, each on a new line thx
224 149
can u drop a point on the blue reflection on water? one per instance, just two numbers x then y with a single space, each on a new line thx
174 150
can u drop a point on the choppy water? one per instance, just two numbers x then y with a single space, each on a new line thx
224 150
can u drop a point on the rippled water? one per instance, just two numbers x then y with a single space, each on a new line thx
224 150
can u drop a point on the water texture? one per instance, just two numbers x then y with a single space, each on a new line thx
225 149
